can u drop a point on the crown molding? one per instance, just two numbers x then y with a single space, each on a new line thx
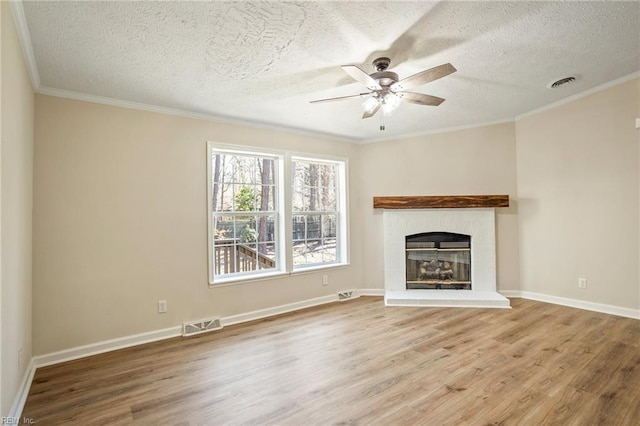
437 131
32 68
25 42
580 95
68 94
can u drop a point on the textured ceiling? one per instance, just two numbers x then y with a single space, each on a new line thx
263 61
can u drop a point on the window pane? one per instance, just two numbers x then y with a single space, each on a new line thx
265 196
329 238
329 252
234 169
325 189
244 243
266 169
329 226
299 254
242 183
313 227
223 197
314 239
299 228
244 198
314 186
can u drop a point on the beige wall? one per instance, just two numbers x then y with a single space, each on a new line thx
16 206
120 223
120 217
578 190
473 161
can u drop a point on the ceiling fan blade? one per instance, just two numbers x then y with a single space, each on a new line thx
371 113
339 98
420 98
423 77
359 75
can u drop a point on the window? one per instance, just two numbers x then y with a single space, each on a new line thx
244 218
252 234
315 212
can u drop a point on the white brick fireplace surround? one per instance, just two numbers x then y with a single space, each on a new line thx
479 223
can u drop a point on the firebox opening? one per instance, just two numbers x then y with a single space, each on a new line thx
438 260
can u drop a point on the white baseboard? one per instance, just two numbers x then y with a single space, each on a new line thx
371 292
574 303
124 342
277 310
23 391
152 336
105 346
283 309
138 339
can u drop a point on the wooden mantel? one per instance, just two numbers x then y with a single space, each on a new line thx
441 202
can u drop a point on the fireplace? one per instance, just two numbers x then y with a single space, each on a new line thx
414 235
438 260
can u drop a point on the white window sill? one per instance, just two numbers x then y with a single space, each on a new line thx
221 282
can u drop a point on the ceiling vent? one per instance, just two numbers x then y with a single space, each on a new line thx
562 82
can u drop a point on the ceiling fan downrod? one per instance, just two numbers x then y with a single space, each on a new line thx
381 64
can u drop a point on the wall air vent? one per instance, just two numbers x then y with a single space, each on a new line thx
200 326
562 82
347 295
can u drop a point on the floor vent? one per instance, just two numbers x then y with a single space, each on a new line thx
347 294
200 326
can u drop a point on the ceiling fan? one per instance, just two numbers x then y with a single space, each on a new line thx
386 90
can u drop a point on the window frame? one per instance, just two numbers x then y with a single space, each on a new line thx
341 211
279 231
283 234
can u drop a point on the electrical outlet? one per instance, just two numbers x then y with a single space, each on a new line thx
325 280
162 306
582 283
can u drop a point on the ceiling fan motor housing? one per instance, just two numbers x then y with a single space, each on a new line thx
385 78
382 76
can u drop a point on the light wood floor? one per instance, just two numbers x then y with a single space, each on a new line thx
359 362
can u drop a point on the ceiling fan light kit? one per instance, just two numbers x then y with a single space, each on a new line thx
386 90
390 102
370 105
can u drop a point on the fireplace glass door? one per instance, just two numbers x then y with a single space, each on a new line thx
438 260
